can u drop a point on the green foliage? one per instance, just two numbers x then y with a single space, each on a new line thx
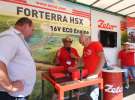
6 22
124 37
36 94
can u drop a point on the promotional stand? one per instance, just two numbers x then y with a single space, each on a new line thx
113 87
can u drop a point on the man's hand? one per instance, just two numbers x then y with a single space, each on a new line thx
92 76
6 83
17 86
70 69
73 56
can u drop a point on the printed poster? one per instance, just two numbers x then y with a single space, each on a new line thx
54 19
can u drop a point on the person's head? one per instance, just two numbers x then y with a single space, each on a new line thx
84 40
67 41
25 26
126 45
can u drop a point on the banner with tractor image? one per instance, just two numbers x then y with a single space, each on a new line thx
54 19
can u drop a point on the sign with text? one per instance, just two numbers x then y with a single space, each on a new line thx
131 29
104 25
57 18
54 19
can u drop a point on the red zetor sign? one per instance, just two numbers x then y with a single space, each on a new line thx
113 85
111 89
105 25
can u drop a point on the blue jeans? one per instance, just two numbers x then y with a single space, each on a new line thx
129 70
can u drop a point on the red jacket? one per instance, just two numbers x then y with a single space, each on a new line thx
64 58
90 56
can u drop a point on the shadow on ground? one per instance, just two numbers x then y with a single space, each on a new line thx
131 89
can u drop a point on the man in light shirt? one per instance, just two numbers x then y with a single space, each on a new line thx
17 68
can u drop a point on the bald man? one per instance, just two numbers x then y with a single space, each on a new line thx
93 59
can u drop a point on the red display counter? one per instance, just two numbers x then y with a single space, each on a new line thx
113 87
70 85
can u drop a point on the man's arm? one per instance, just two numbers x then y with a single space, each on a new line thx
101 63
5 82
56 58
119 62
119 59
75 57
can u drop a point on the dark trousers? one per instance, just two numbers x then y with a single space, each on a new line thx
6 96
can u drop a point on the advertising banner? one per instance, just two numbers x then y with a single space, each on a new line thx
131 29
54 19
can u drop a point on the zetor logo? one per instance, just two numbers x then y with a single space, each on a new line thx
112 89
104 25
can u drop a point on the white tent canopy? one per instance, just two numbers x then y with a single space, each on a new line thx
123 7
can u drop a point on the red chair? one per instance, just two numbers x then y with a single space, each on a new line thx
57 72
76 74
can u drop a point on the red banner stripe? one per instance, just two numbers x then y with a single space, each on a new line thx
75 14
80 12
